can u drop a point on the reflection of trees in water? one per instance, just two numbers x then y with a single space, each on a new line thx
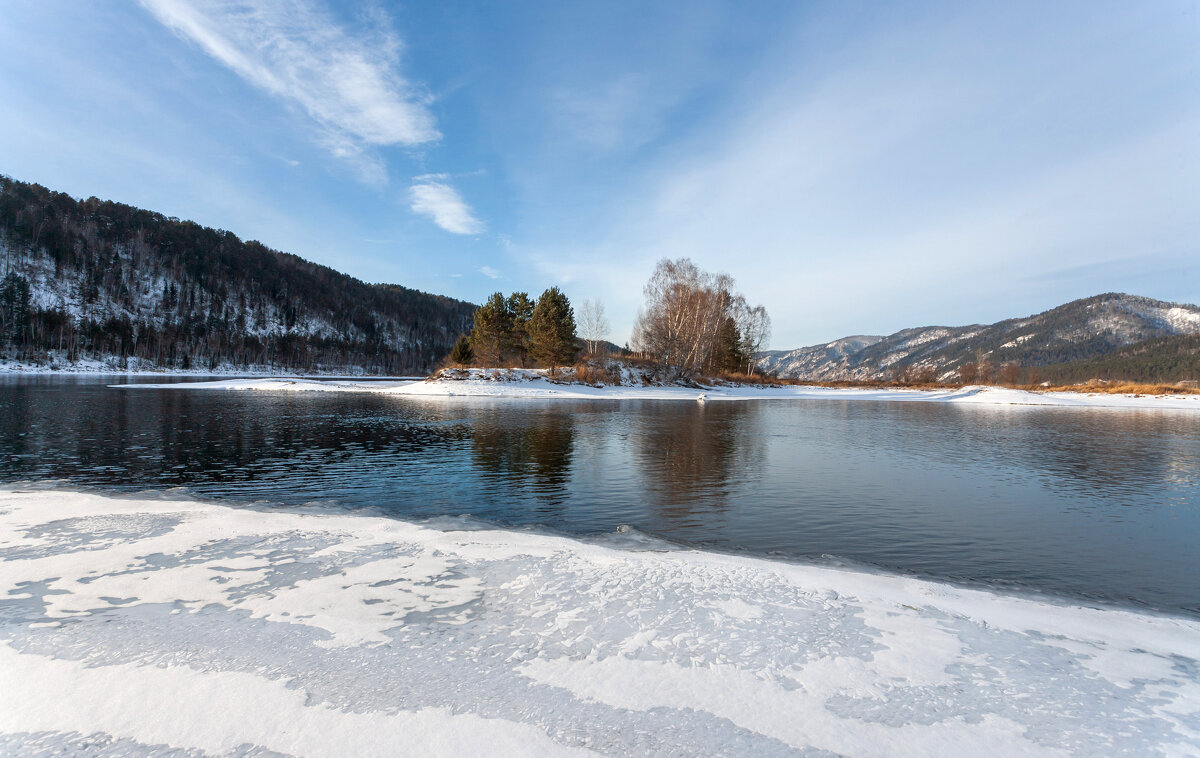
99 436
693 457
536 451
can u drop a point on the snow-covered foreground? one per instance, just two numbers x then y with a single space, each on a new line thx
531 385
133 626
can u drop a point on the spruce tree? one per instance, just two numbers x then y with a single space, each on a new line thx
729 357
462 354
552 340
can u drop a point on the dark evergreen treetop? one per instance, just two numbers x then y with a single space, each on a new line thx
492 331
462 354
552 338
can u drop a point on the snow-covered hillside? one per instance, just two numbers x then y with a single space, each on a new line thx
1080 329
86 280
816 360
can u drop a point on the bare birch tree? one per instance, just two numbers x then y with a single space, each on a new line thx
755 329
681 325
594 322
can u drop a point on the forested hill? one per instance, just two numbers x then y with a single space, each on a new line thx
98 280
1160 360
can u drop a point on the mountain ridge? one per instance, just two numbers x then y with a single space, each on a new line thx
1078 330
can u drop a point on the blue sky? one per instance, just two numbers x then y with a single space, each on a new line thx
858 168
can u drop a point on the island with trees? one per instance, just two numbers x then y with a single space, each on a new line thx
693 325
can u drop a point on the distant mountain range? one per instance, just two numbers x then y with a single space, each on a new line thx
1079 331
94 280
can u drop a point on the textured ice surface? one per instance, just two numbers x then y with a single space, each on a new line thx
147 627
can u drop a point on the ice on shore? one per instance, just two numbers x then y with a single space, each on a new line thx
533 384
141 626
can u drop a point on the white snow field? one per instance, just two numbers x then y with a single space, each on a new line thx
533 384
149 625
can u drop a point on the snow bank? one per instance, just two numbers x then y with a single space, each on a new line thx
112 366
531 384
137 625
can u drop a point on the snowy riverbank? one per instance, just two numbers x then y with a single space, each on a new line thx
533 385
133 367
138 625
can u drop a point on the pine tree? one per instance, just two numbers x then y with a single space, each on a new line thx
492 331
552 339
520 308
462 354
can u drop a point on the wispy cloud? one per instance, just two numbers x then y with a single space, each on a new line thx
348 84
431 196
903 168
624 113
489 272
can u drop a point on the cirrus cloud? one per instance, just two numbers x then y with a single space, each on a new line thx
295 51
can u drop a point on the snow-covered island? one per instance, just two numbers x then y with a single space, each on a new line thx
149 625
538 384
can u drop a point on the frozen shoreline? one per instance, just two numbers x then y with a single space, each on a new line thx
108 368
217 628
538 387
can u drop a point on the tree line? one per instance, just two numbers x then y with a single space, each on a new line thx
1174 358
518 331
102 280
693 323
107 281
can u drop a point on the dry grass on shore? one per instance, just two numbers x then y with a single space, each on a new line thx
1092 388
1123 388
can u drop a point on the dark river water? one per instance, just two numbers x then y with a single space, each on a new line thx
1096 505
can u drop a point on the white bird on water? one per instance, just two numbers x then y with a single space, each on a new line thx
703 397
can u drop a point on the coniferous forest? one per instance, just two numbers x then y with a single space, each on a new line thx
97 280
1161 359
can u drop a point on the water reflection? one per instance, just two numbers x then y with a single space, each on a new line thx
1082 453
692 457
536 452
1096 504
98 436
